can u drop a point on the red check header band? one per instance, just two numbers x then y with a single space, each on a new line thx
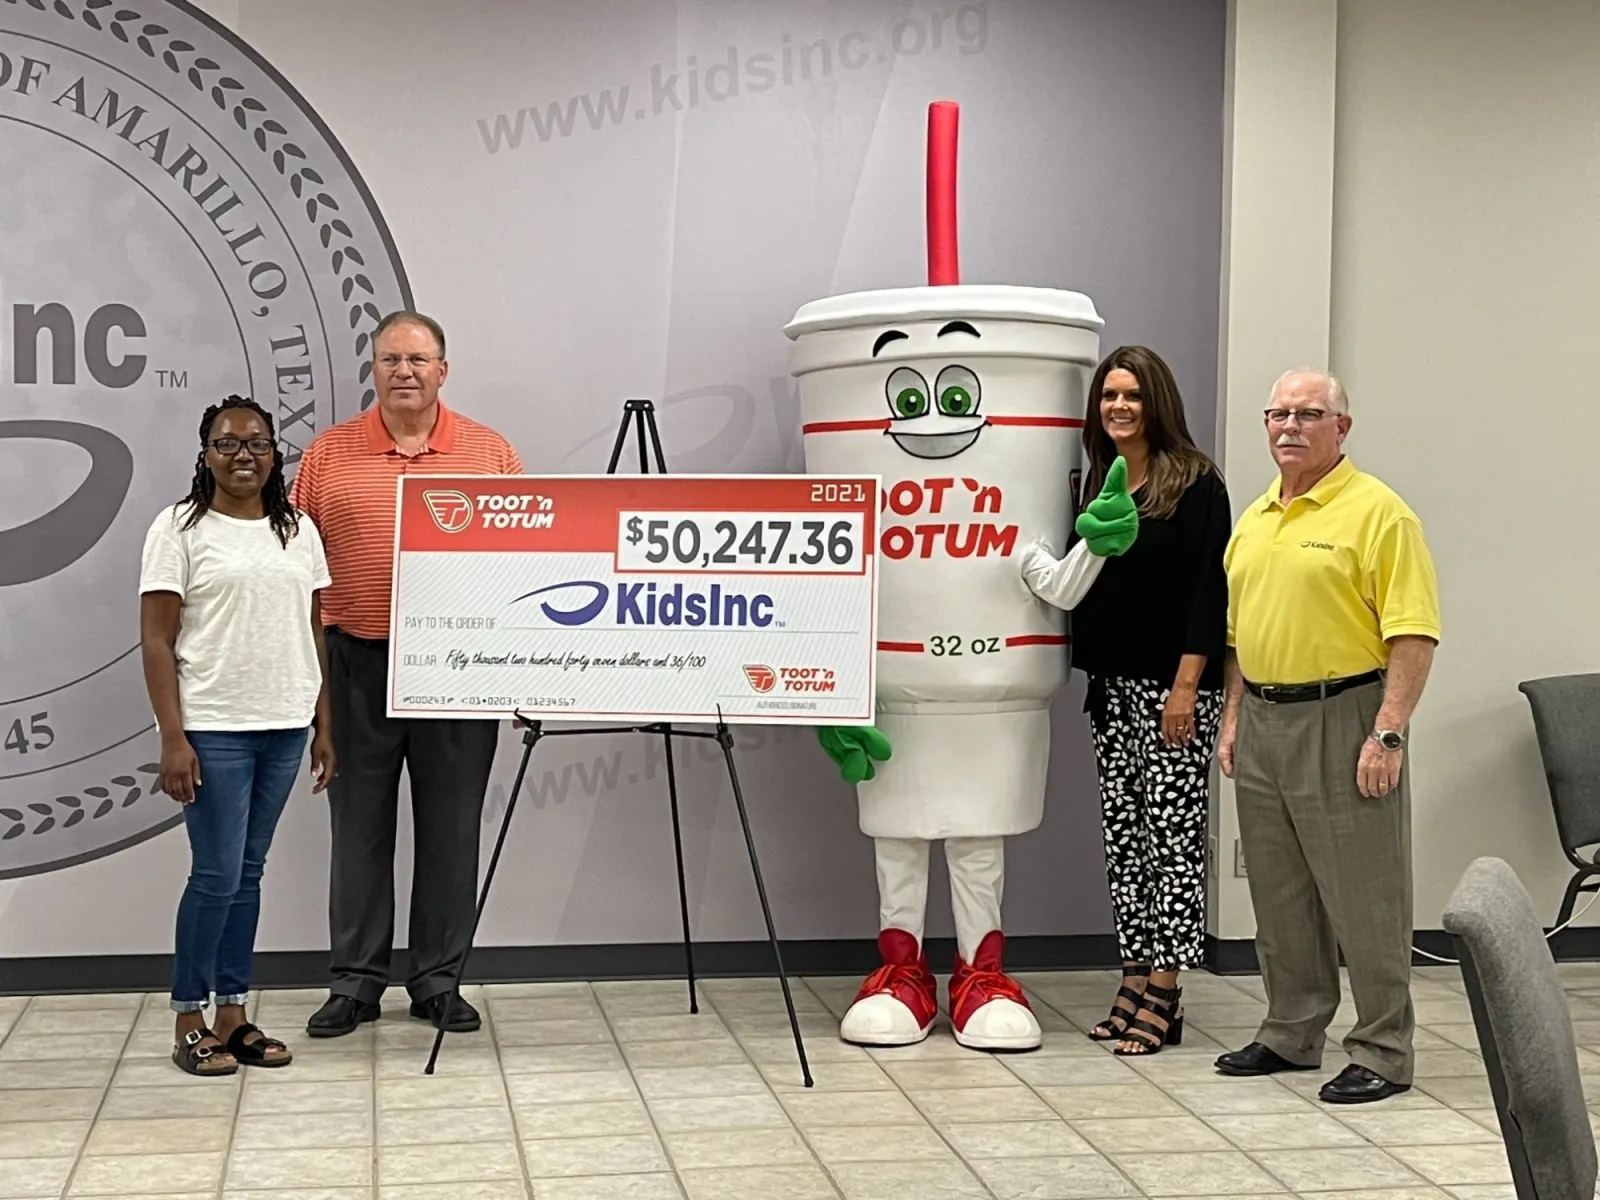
579 515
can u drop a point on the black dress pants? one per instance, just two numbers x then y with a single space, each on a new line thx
448 762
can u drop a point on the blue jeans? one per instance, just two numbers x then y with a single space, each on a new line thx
246 778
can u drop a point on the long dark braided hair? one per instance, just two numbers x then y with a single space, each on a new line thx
284 520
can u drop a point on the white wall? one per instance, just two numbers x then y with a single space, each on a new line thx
1465 318
1276 277
1463 313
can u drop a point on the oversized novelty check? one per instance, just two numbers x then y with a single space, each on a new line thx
636 598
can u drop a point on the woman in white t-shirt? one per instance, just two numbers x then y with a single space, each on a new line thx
234 660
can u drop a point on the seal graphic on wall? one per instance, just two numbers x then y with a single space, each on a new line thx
179 225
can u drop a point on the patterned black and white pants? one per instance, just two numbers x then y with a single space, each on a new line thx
1154 804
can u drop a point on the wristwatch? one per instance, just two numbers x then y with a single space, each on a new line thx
1389 739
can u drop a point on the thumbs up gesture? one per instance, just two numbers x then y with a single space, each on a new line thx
1109 523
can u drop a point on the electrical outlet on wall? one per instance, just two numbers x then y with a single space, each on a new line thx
1238 859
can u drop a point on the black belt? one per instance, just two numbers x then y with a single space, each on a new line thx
1299 693
374 643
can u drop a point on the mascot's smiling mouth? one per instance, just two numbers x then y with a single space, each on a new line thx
935 435
939 421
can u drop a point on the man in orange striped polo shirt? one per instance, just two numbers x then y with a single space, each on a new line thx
346 484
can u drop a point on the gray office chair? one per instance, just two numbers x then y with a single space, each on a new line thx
1525 1032
1566 722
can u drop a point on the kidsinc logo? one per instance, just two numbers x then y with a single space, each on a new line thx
1318 546
451 511
570 604
583 601
229 246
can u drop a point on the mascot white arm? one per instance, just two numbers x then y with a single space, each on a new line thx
1107 528
967 401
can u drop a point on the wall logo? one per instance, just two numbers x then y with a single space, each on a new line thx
180 226
451 510
761 679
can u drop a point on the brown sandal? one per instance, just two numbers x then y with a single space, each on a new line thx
204 1061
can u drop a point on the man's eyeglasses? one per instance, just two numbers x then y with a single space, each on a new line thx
391 362
1306 416
228 446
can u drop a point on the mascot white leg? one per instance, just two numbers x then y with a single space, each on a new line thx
988 1010
942 763
898 1002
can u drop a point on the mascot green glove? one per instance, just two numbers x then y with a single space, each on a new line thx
1110 522
854 749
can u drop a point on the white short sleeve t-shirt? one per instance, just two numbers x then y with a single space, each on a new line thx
247 658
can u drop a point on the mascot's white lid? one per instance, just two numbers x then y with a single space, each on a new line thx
991 301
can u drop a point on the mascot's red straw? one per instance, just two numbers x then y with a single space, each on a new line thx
944 267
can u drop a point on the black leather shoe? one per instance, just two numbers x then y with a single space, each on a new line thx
1256 1059
339 1016
1357 1085
449 1012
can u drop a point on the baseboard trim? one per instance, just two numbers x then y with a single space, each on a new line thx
1230 956
1237 956
67 974
534 964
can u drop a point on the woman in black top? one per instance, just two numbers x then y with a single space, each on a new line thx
1150 635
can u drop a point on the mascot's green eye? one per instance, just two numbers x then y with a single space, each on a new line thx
959 392
907 392
910 403
955 401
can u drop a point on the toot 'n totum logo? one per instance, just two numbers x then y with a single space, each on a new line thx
180 225
451 510
761 678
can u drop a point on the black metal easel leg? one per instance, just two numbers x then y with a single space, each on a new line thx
683 886
639 411
725 740
649 414
616 447
530 738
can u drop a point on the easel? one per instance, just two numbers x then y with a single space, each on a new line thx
642 415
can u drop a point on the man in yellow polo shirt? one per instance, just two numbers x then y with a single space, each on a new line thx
1333 616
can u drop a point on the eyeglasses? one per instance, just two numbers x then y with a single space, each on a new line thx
1306 416
391 362
227 446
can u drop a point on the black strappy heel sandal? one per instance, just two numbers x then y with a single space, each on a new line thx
1115 1027
1146 1038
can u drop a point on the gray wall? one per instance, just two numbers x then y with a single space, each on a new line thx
660 255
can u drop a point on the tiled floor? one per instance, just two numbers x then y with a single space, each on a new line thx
610 1091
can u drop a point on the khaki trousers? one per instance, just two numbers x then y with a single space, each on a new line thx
1329 869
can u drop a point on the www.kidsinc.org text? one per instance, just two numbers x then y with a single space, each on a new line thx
703 79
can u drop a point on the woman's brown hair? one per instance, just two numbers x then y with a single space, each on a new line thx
1175 461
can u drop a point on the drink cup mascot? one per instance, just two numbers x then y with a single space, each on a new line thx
967 401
